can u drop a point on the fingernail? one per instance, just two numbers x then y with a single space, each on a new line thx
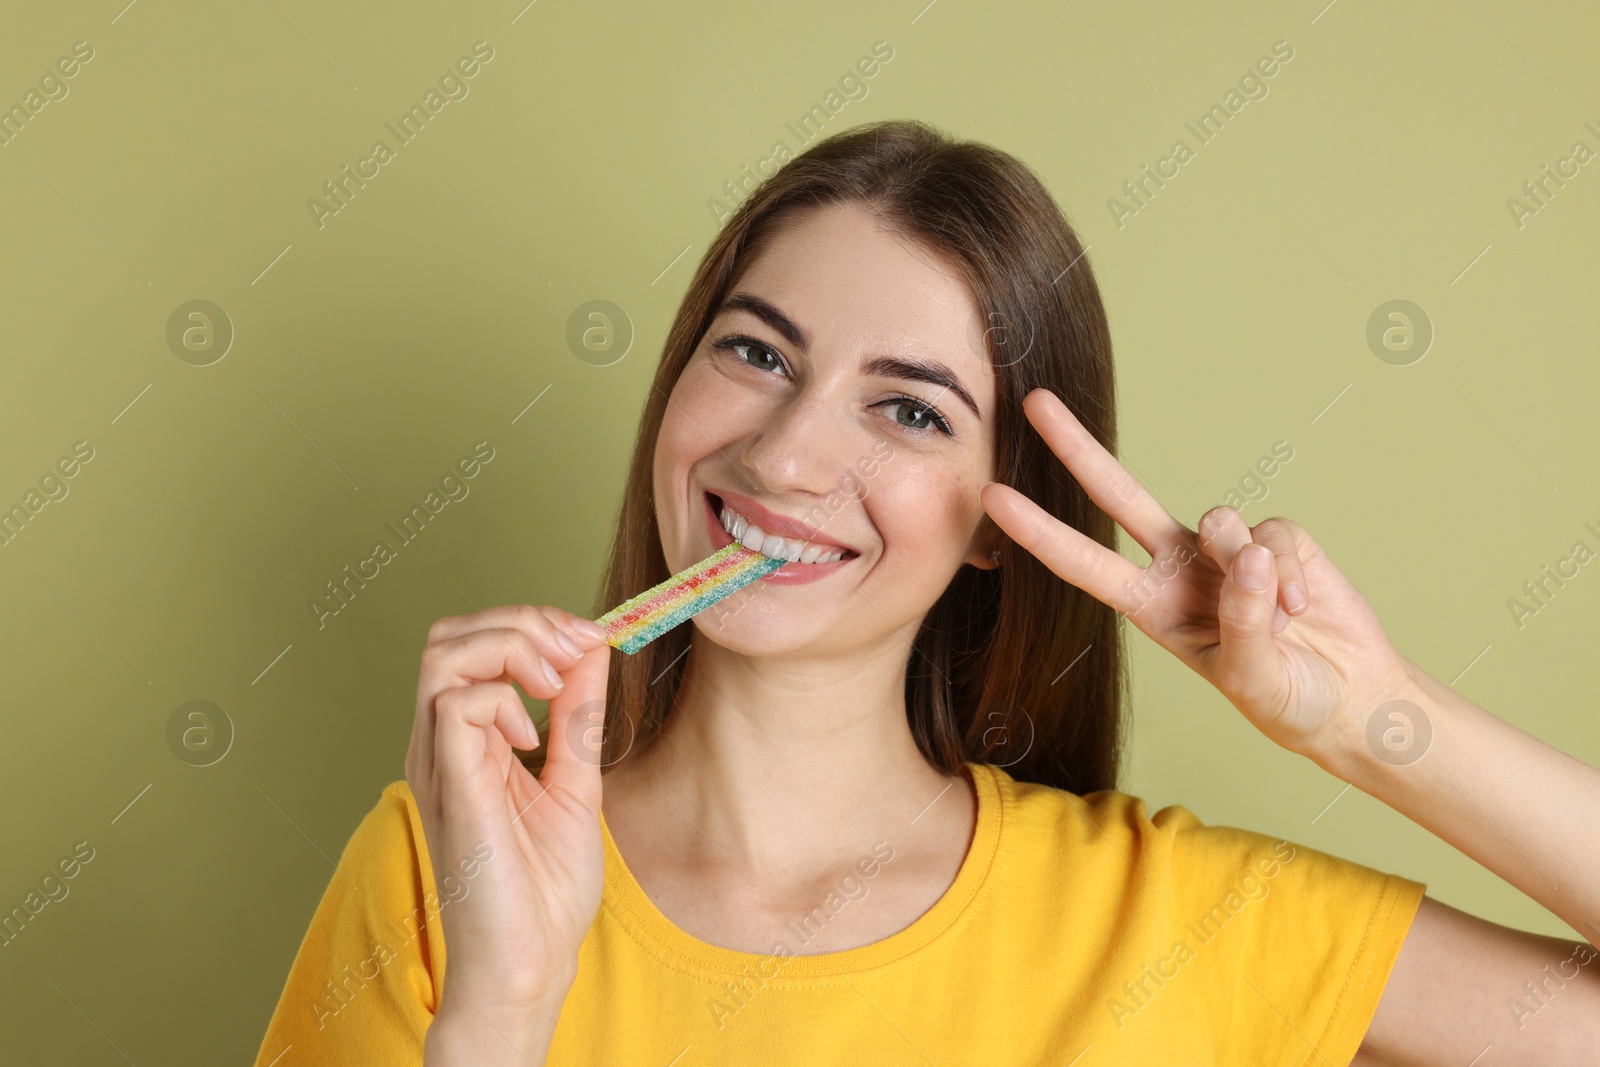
1294 597
1250 569
589 628
550 673
568 643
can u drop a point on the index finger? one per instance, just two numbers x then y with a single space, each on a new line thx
1107 481
542 617
1073 556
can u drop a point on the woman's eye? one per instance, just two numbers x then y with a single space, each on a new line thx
765 358
918 416
910 414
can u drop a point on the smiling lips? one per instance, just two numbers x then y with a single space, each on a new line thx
806 559
757 540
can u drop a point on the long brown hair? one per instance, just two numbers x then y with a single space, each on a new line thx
1011 666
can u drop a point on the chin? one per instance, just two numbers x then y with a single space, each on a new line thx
745 632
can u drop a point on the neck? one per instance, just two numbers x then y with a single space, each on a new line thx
776 763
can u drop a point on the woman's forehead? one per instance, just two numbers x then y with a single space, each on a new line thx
845 285
844 255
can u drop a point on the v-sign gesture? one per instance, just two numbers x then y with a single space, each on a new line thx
1310 677
1302 674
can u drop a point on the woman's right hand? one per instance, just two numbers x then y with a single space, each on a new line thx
512 940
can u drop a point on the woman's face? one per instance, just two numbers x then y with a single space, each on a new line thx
807 400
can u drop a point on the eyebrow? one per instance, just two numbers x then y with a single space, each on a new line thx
915 370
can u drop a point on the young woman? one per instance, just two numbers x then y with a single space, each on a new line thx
866 808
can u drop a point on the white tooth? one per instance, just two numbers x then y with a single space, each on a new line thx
774 546
740 523
792 550
727 520
811 553
830 557
753 537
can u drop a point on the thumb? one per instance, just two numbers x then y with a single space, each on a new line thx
577 722
1249 666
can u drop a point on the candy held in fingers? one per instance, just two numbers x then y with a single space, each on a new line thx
639 620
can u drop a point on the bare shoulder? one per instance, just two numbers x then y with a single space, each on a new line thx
1462 986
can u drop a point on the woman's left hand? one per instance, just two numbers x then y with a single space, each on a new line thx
1308 676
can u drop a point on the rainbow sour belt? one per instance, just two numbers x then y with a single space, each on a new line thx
636 622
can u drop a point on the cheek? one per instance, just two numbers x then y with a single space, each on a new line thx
685 412
707 408
922 509
677 449
705 413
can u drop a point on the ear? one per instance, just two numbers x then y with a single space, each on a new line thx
988 538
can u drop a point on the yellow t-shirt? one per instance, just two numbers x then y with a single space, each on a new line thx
1077 926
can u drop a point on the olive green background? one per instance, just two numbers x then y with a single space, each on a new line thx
371 353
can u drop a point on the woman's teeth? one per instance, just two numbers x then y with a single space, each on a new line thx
788 548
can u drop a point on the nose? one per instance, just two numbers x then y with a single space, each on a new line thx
802 447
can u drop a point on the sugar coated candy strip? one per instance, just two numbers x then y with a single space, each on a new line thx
639 620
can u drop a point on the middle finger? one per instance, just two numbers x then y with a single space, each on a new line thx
1106 480
546 625
1222 532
